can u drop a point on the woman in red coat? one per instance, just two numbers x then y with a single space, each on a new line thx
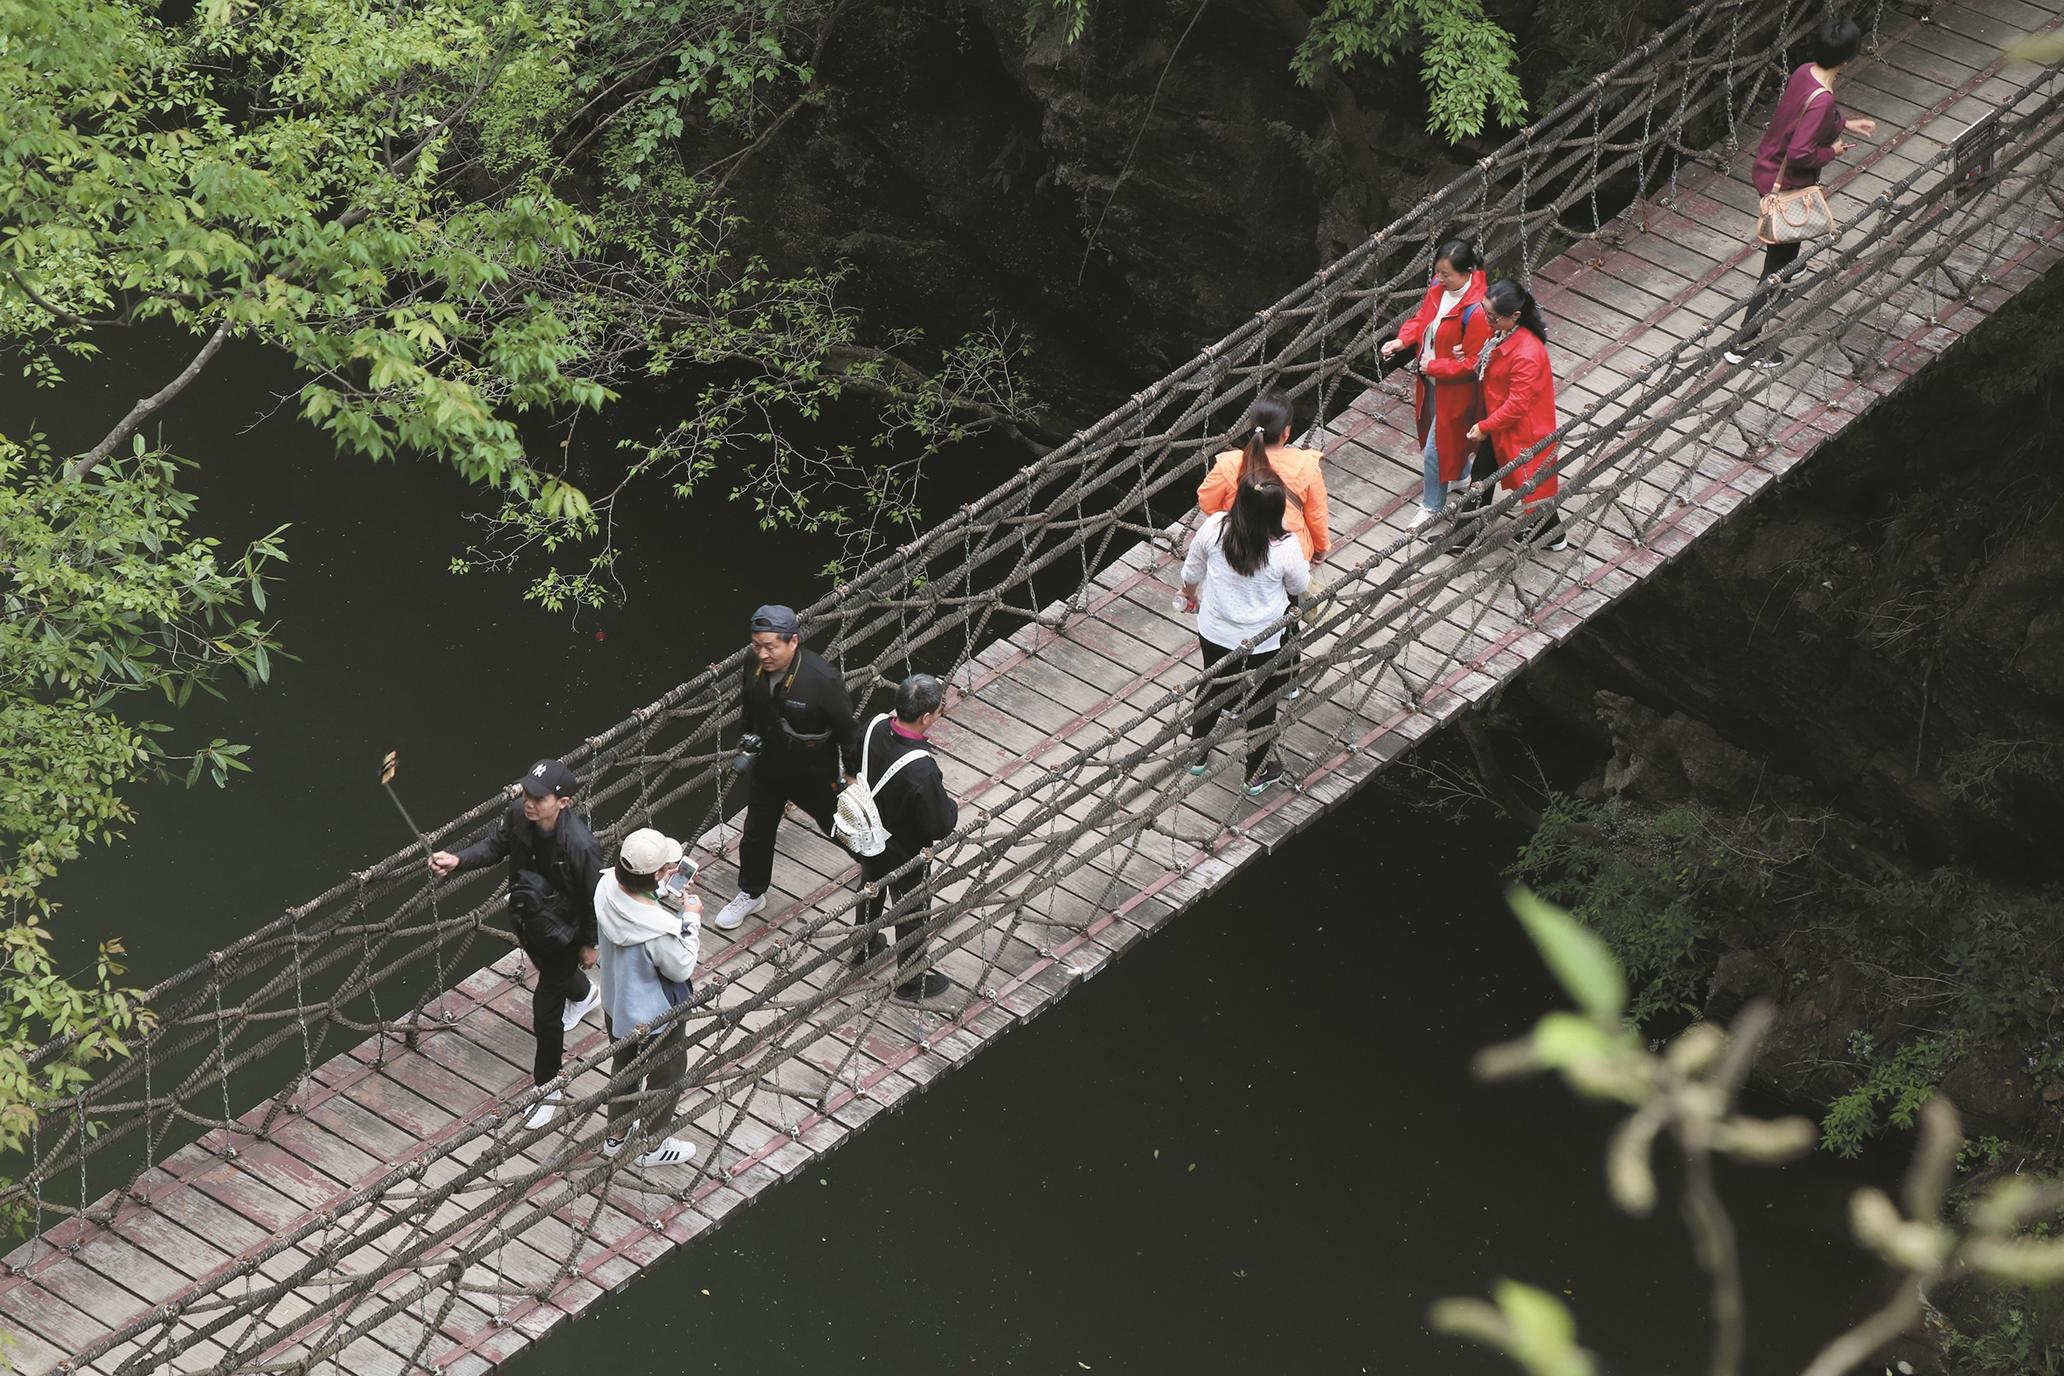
1450 318
1519 406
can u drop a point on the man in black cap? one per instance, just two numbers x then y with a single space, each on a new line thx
797 705
542 836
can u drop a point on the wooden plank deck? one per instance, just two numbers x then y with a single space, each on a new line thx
1614 305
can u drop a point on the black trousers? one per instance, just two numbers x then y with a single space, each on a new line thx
560 981
1776 258
872 868
1256 702
659 1074
809 779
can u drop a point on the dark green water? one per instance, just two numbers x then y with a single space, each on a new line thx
1251 1146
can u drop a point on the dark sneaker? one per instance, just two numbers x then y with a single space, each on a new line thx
1547 532
1269 772
929 985
869 949
1773 359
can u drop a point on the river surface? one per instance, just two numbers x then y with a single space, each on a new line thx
1252 1145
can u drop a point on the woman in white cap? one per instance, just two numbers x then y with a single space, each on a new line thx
648 959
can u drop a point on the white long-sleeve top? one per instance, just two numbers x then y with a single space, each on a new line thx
1233 606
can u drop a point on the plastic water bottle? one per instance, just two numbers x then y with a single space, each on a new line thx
1178 604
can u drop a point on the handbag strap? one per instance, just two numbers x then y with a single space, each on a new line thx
1784 164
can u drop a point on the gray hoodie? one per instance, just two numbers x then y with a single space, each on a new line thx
648 955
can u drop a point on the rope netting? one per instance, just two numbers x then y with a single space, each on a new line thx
491 1217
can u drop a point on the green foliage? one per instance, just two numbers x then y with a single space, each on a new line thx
107 604
1071 17
1468 63
1953 968
2001 1335
1892 1091
1646 882
1531 1326
377 193
2004 1236
107 600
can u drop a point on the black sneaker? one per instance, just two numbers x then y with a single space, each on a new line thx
1546 533
1772 359
1270 771
929 985
869 949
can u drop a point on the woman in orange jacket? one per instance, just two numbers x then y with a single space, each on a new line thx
1451 317
1261 451
1519 405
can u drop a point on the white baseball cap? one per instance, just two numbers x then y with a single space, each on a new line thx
646 851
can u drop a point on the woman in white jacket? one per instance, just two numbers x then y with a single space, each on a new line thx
1241 571
648 960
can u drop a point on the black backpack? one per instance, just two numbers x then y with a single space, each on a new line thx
544 920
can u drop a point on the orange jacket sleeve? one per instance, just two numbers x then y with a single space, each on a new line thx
1215 493
1315 517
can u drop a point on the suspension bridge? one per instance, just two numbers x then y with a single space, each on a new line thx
383 1210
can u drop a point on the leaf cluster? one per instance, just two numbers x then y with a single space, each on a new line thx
1468 62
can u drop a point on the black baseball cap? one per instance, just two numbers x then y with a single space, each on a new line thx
547 777
776 618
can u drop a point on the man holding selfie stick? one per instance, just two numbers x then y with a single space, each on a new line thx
554 866
797 710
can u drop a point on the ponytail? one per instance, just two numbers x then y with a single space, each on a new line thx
1254 524
1508 297
1268 422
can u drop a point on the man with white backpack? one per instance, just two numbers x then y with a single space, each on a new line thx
914 810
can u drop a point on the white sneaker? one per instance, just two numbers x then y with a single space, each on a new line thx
570 1019
1424 516
735 912
612 1145
672 1152
546 1110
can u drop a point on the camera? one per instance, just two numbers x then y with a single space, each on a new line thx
749 746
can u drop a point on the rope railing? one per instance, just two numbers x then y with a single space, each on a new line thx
1043 842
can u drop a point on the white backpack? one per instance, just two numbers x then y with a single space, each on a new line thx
857 821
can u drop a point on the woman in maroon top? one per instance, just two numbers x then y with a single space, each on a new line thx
1805 135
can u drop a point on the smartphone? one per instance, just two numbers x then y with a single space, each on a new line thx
677 883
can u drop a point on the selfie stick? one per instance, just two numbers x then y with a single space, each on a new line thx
387 769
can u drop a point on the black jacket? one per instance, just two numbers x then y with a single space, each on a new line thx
914 806
568 856
814 717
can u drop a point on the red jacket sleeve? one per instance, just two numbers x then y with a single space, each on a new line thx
1476 331
1413 330
1527 377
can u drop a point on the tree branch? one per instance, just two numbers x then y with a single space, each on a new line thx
64 317
149 406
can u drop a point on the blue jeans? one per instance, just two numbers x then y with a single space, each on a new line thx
1434 493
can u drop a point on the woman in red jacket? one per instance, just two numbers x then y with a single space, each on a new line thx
1519 406
1450 318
